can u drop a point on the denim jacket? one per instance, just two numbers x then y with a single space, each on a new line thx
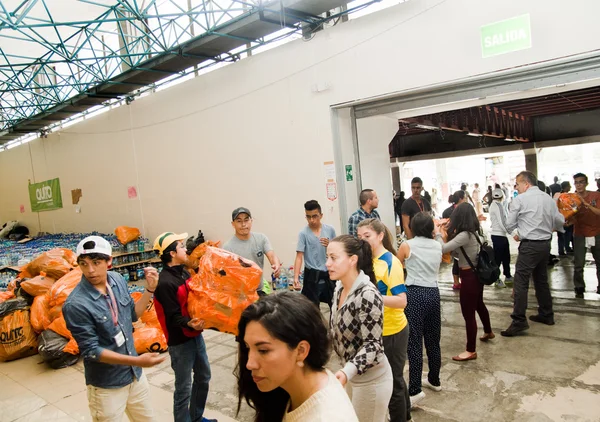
89 319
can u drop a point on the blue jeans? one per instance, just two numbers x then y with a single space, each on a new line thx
186 357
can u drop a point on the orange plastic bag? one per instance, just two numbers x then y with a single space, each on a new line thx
569 204
17 338
63 287
127 234
4 296
40 317
447 258
149 317
59 326
55 263
198 252
224 286
149 340
38 285
71 347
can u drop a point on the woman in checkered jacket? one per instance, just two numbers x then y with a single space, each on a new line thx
357 328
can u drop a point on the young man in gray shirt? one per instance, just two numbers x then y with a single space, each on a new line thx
312 247
252 246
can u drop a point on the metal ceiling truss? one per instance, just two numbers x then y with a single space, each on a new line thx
52 60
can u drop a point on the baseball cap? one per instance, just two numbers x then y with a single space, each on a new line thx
94 244
164 240
238 211
497 193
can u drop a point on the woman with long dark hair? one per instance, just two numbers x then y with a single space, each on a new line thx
455 199
390 283
357 328
422 257
283 349
462 230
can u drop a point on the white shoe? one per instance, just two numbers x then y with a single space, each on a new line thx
416 399
500 284
425 383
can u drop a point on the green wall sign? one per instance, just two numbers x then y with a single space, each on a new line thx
506 36
45 196
349 176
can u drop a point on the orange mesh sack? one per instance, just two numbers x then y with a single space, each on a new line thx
55 263
149 317
569 204
127 234
40 316
198 252
149 340
4 296
38 285
224 286
63 287
17 338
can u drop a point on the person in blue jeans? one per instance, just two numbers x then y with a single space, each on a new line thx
183 334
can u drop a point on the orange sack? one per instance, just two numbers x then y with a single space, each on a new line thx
63 287
71 347
149 340
198 252
4 296
224 286
127 234
38 285
17 338
55 263
40 316
59 326
149 317
569 204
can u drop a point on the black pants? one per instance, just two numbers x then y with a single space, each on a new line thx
424 318
318 287
580 252
502 253
532 261
395 348
565 240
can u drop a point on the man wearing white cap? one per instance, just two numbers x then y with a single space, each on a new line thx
99 313
500 235
184 334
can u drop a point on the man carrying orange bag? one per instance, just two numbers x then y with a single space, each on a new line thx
184 334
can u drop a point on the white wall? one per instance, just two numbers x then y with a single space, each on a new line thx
255 134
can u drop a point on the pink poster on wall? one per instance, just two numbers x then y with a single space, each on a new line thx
132 192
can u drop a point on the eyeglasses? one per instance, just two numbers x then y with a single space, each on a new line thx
311 217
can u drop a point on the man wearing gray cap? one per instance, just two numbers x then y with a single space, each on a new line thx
249 245
500 235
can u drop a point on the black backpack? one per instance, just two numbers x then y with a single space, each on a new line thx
487 269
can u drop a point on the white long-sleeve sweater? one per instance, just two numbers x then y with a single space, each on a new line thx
498 219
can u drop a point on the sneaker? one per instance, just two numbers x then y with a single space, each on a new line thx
500 284
542 320
508 281
416 399
425 383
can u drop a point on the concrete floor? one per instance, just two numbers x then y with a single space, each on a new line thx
549 374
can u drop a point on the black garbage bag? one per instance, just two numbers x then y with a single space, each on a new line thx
11 305
50 348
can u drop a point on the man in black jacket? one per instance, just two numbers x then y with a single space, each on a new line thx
184 334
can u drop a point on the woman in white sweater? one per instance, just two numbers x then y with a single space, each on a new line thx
283 349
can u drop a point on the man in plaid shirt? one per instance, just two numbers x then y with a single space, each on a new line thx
368 202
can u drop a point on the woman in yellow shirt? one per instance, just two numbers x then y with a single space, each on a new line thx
390 283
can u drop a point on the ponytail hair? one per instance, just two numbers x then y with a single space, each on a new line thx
362 249
378 227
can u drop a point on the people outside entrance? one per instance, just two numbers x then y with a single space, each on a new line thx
250 245
464 187
477 200
565 240
312 249
413 205
500 235
368 204
183 333
555 187
535 216
586 233
100 315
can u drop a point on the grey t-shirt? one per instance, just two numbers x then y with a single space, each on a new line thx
314 253
253 249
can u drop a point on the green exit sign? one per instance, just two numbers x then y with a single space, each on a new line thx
506 36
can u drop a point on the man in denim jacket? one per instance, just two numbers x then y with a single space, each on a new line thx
99 313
